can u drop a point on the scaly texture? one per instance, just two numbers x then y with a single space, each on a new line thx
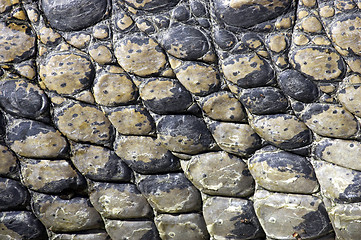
180 119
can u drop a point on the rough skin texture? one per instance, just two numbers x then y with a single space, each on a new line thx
180 119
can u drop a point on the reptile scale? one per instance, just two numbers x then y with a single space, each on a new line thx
180 119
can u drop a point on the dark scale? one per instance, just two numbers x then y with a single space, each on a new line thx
182 119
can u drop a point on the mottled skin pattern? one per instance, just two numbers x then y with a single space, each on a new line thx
180 119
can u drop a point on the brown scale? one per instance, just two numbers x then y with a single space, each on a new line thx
267 45
175 28
168 26
113 87
340 18
314 56
312 52
248 61
230 70
329 118
19 45
136 52
55 57
341 21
